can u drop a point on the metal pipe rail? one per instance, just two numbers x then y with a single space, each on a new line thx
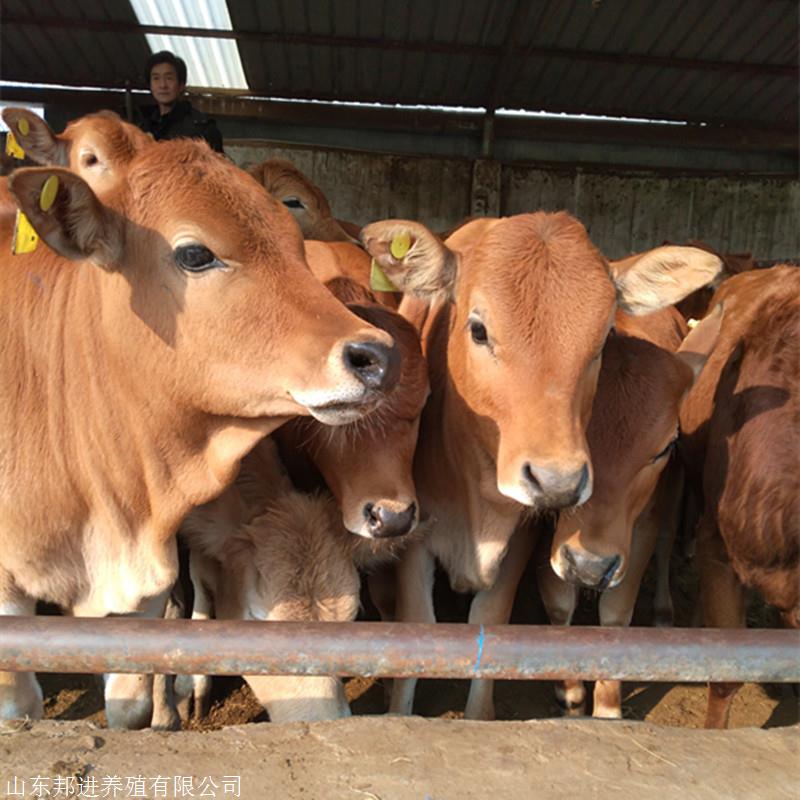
235 647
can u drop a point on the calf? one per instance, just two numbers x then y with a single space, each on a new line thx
742 442
332 260
367 465
606 544
98 147
153 338
521 309
368 468
304 199
267 551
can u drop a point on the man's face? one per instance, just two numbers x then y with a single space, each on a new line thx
164 84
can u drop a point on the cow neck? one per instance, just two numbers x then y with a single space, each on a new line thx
116 448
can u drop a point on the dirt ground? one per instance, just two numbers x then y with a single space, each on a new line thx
410 758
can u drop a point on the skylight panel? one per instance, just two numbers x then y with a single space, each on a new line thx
213 63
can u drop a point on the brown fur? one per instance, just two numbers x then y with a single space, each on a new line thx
634 418
283 180
741 423
131 390
546 297
370 461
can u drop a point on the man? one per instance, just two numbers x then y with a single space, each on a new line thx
171 117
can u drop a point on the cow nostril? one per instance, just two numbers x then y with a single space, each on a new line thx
530 478
611 571
582 483
384 523
376 365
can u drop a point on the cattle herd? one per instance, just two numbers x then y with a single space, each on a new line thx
183 373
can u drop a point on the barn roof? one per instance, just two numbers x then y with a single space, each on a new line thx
731 62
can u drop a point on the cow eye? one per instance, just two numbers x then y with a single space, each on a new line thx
667 450
195 258
478 331
292 202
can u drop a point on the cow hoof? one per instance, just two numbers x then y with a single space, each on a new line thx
664 618
128 714
166 720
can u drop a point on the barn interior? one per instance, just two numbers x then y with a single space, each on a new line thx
649 121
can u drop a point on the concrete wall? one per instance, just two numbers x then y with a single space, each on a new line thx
624 211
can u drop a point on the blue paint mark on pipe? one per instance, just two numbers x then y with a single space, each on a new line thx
481 639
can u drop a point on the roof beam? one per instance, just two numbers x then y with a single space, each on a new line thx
451 48
440 122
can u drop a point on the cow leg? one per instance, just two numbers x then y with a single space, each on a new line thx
493 607
129 697
165 713
195 690
722 601
415 573
668 504
560 600
616 605
20 693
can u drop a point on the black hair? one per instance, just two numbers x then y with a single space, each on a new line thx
165 57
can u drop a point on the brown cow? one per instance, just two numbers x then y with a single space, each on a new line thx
606 544
98 147
368 468
264 550
304 199
522 309
742 427
166 331
331 260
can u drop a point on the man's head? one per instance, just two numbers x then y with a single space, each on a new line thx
166 76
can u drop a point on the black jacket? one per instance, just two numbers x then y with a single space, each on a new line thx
183 121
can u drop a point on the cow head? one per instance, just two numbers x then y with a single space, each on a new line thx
368 465
98 147
531 302
305 200
192 297
632 432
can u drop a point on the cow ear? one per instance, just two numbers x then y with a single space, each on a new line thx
662 277
413 258
34 136
67 215
700 341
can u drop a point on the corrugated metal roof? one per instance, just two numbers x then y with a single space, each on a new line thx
729 61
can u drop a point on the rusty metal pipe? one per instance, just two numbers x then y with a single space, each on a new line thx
228 647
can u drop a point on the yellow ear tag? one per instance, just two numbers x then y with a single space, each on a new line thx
25 237
49 192
12 146
400 245
24 127
378 281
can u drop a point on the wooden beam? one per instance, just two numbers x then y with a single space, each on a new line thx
504 127
519 50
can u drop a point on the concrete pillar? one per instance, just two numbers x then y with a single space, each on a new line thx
485 189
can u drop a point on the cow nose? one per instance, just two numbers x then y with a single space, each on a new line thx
586 569
383 523
557 489
376 365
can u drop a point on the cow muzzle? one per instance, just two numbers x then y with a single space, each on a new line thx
587 570
384 520
551 488
375 364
